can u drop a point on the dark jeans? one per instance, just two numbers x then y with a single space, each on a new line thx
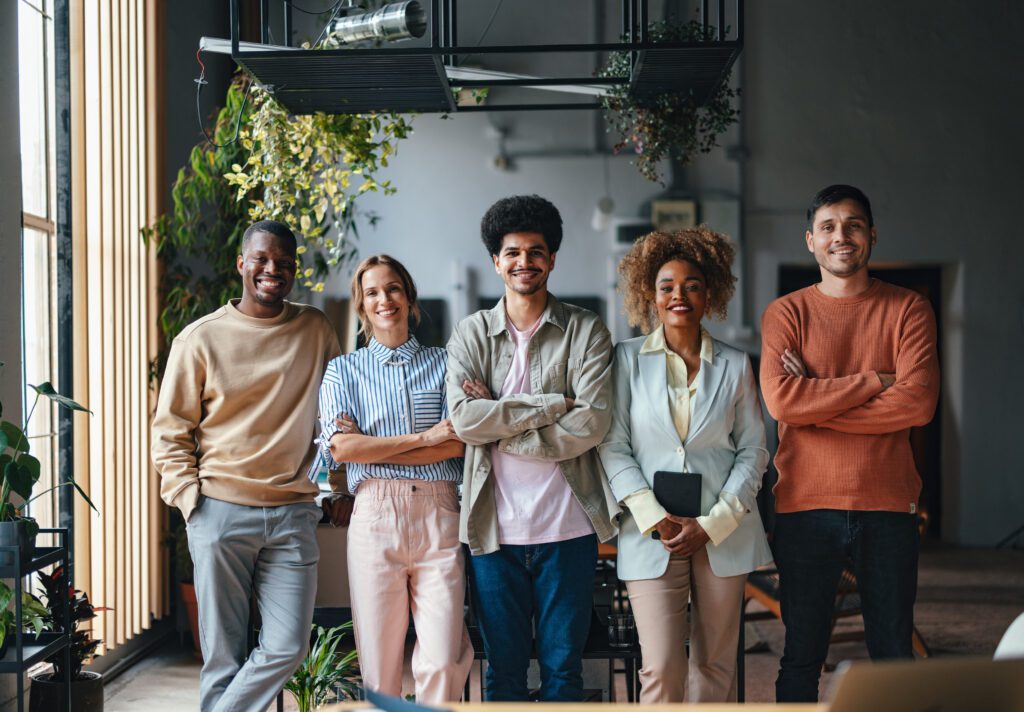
811 549
549 586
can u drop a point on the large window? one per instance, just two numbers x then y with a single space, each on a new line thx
36 91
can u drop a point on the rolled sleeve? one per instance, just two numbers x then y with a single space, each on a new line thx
646 509
723 518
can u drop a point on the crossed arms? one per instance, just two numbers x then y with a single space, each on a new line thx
546 426
866 403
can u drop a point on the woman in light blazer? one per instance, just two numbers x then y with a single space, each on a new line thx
685 402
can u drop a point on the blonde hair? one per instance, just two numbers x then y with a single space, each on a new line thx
365 328
711 252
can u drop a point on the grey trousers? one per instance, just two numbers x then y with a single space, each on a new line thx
239 551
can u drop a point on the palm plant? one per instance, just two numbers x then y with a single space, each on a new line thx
327 673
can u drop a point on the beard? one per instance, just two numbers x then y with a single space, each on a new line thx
844 269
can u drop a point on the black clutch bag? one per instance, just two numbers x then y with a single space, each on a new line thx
678 492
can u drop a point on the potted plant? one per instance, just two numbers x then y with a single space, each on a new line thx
20 471
328 673
673 125
48 689
33 615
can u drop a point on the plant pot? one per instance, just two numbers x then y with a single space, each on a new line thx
47 695
188 597
16 534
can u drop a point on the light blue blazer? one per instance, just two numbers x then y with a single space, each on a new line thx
725 444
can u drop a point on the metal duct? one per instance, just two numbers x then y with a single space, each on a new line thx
395 21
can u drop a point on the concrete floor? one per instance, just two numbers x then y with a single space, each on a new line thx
966 599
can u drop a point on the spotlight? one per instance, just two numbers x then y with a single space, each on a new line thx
391 22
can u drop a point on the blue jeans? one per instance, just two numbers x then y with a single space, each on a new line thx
811 549
549 586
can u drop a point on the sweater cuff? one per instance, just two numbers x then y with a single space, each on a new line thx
187 500
723 518
646 509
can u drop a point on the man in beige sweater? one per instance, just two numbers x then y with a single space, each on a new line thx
233 441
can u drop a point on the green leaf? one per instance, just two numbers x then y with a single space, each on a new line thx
3 441
84 496
19 479
31 526
30 463
46 389
16 439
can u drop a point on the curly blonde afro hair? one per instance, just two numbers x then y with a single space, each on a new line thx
711 252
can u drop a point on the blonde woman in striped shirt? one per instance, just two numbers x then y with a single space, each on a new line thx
383 413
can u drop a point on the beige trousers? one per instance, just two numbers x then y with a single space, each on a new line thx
404 555
659 607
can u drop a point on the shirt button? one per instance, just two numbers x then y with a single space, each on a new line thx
680 451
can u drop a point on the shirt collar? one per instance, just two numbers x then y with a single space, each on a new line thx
402 354
655 342
553 313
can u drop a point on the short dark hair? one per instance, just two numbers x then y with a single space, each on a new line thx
521 213
271 227
836 194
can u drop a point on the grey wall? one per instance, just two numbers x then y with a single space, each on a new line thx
10 217
10 242
917 103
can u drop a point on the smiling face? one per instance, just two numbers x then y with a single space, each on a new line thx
524 262
267 265
680 294
385 304
841 238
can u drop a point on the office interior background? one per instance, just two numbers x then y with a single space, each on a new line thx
917 103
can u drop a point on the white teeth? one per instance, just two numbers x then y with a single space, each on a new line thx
388 312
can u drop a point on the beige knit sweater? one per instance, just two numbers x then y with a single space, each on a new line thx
237 410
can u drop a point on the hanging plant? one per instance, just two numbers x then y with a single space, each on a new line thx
673 125
307 171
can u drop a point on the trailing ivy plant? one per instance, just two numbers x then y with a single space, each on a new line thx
198 240
307 171
673 125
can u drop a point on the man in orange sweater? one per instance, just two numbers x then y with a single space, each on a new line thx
848 366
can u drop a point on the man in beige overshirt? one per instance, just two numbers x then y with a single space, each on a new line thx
233 441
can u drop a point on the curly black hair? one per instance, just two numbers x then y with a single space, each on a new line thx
521 213
711 252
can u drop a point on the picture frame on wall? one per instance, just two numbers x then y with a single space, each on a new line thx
671 215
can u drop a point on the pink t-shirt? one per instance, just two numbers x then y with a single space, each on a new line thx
535 504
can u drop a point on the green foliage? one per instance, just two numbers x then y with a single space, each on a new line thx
327 673
20 469
80 610
200 238
674 125
307 171
33 613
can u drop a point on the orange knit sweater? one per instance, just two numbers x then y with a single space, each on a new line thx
844 442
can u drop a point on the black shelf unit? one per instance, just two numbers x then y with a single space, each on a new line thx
26 650
414 79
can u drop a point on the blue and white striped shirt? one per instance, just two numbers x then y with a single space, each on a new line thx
387 392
